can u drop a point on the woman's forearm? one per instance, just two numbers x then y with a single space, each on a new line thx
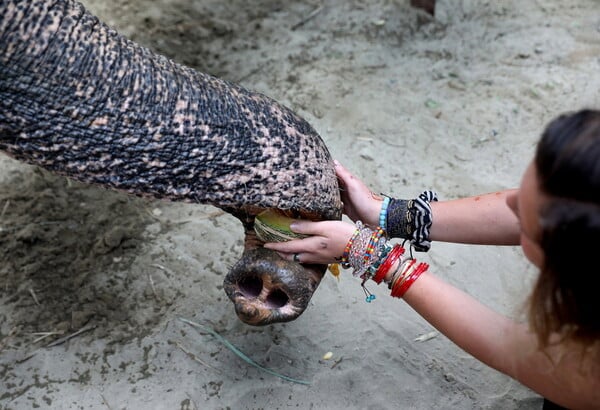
473 326
483 219
503 344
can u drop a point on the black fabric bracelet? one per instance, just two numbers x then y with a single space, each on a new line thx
411 219
398 220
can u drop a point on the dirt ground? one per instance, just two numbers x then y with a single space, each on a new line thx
93 283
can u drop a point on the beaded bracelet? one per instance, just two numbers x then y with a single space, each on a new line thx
357 259
376 236
346 255
383 212
364 249
381 256
368 253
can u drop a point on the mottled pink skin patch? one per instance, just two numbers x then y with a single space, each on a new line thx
81 100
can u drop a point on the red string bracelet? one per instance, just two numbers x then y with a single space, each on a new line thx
399 291
396 252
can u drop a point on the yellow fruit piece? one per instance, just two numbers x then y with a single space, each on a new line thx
334 268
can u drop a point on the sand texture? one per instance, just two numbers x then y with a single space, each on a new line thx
92 282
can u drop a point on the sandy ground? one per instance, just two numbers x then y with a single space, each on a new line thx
92 283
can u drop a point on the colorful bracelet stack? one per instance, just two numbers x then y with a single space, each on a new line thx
392 256
405 276
365 249
371 257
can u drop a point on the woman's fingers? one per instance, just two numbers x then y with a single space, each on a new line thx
348 185
305 250
343 174
326 242
309 227
360 203
351 184
292 246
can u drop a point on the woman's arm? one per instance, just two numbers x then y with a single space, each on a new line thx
483 219
558 373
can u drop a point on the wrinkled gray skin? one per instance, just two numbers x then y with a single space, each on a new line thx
80 100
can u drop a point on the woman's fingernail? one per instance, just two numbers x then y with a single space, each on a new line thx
336 162
293 226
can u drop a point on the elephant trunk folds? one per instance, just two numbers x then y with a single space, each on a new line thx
79 99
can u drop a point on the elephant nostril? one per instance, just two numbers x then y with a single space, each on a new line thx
251 286
277 298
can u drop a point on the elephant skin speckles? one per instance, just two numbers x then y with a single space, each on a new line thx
82 101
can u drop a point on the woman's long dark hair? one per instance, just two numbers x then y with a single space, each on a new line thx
566 298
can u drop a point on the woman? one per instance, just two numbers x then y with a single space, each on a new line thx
554 215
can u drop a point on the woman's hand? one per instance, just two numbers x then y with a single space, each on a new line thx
325 245
360 203
329 238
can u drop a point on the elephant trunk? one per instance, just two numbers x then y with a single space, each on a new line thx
82 101
266 289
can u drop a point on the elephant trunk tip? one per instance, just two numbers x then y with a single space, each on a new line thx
259 303
266 289
252 287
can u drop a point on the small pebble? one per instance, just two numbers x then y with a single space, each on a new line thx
327 356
